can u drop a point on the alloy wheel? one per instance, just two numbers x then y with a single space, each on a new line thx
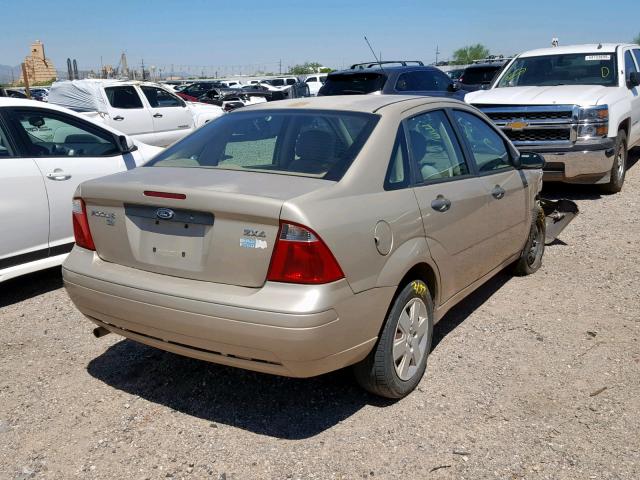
411 338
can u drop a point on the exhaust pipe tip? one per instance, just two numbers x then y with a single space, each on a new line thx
100 332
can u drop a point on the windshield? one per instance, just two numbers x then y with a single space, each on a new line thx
353 83
474 75
319 144
566 69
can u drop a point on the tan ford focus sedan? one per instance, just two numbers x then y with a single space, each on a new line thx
303 236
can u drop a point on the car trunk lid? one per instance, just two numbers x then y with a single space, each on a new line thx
205 224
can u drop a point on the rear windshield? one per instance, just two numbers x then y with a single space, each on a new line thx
596 68
353 83
319 144
476 75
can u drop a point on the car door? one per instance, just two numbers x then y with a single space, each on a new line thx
24 209
452 200
128 114
505 187
68 151
630 66
170 114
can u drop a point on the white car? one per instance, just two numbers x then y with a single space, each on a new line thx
145 110
314 83
45 152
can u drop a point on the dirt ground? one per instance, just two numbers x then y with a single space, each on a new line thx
535 378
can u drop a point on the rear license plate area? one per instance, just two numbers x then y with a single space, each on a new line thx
169 238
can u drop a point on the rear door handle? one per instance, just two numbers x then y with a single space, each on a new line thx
118 118
58 174
157 115
441 204
498 192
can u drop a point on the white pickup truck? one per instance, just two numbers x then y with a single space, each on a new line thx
577 105
147 111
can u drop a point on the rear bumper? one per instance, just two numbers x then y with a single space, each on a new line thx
315 330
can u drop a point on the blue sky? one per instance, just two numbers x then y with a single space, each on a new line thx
245 34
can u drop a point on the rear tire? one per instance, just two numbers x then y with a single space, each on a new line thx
619 168
531 256
398 361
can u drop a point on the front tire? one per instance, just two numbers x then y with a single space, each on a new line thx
619 168
398 361
531 256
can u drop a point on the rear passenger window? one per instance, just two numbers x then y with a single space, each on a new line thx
487 146
434 148
123 97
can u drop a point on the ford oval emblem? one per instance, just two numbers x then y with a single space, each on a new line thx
165 213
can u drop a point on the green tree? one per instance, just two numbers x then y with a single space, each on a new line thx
305 68
637 39
467 55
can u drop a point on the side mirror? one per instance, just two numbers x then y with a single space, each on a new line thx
634 80
453 87
126 144
530 161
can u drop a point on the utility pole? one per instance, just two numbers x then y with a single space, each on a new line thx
143 79
280 68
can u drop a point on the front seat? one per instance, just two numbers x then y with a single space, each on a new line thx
315 150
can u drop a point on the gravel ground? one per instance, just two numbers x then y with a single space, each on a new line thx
534 377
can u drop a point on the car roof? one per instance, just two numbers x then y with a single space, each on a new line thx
25 102
353 103
396 69
585 48
496 65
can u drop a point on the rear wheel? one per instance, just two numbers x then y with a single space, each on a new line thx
531 256
619 168
398 361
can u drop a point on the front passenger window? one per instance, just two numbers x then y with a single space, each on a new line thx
487 146
159 98
55 135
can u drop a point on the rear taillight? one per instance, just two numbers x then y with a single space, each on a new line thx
81 225
300 256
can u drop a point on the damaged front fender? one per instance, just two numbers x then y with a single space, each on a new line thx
558 214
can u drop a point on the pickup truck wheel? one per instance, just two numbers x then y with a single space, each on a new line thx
619 168
398 361
531 257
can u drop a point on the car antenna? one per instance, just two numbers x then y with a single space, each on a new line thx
374 54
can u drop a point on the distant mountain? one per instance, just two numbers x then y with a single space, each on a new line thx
5 73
